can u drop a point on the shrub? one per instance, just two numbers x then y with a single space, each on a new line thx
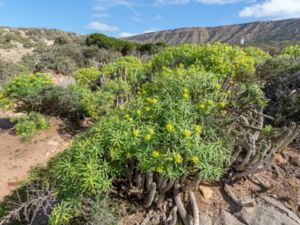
292 51
23 86
259 55
85 76
128 68
103 41
8 70
218 58
28 125
284 104
274 67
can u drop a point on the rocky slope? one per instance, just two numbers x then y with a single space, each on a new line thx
283 30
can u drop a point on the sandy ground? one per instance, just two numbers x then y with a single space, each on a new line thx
17 157
14 54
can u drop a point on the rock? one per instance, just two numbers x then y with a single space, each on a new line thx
205 219
295 160
279 159
53 143
268 211
206 192
226 218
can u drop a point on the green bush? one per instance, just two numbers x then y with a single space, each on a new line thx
291 51
28 125
85 76
259 55
23 86
218 58
128 68
276 66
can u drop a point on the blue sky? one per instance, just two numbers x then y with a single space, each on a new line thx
128 17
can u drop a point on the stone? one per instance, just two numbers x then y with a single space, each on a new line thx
279 159
295 160
226 218
206 192
268 211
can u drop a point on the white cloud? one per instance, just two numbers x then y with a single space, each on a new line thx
126 34
181 2
102 27
273 8
171 2
218 1
105 5
150 30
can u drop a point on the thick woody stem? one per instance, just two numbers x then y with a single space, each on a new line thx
182 212
194 208
237 201
151 195
172 219
149 179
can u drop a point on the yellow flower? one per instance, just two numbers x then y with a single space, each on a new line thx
187 133
151 131
185 90
138 112
159 169
178 158
195 159
201 106
170 127
154 101
228 92
222 104
147 109
185 95
218 86
198 128
210 102
148 99
148 137
155 154
136 133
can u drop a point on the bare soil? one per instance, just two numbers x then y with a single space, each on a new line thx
17 157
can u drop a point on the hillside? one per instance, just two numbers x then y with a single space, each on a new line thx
269 31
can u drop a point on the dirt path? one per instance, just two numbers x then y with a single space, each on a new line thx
17 158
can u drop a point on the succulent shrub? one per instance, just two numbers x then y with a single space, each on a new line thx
291 51
218 58
85 76
29 124
129 68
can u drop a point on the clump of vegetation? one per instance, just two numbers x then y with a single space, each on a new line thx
28 125
284 98
188 115
292 51
219 58
125 47
85 76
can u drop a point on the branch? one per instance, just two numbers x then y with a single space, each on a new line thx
194 208
182 212
151 195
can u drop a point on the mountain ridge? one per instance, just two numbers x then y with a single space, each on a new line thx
259 31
